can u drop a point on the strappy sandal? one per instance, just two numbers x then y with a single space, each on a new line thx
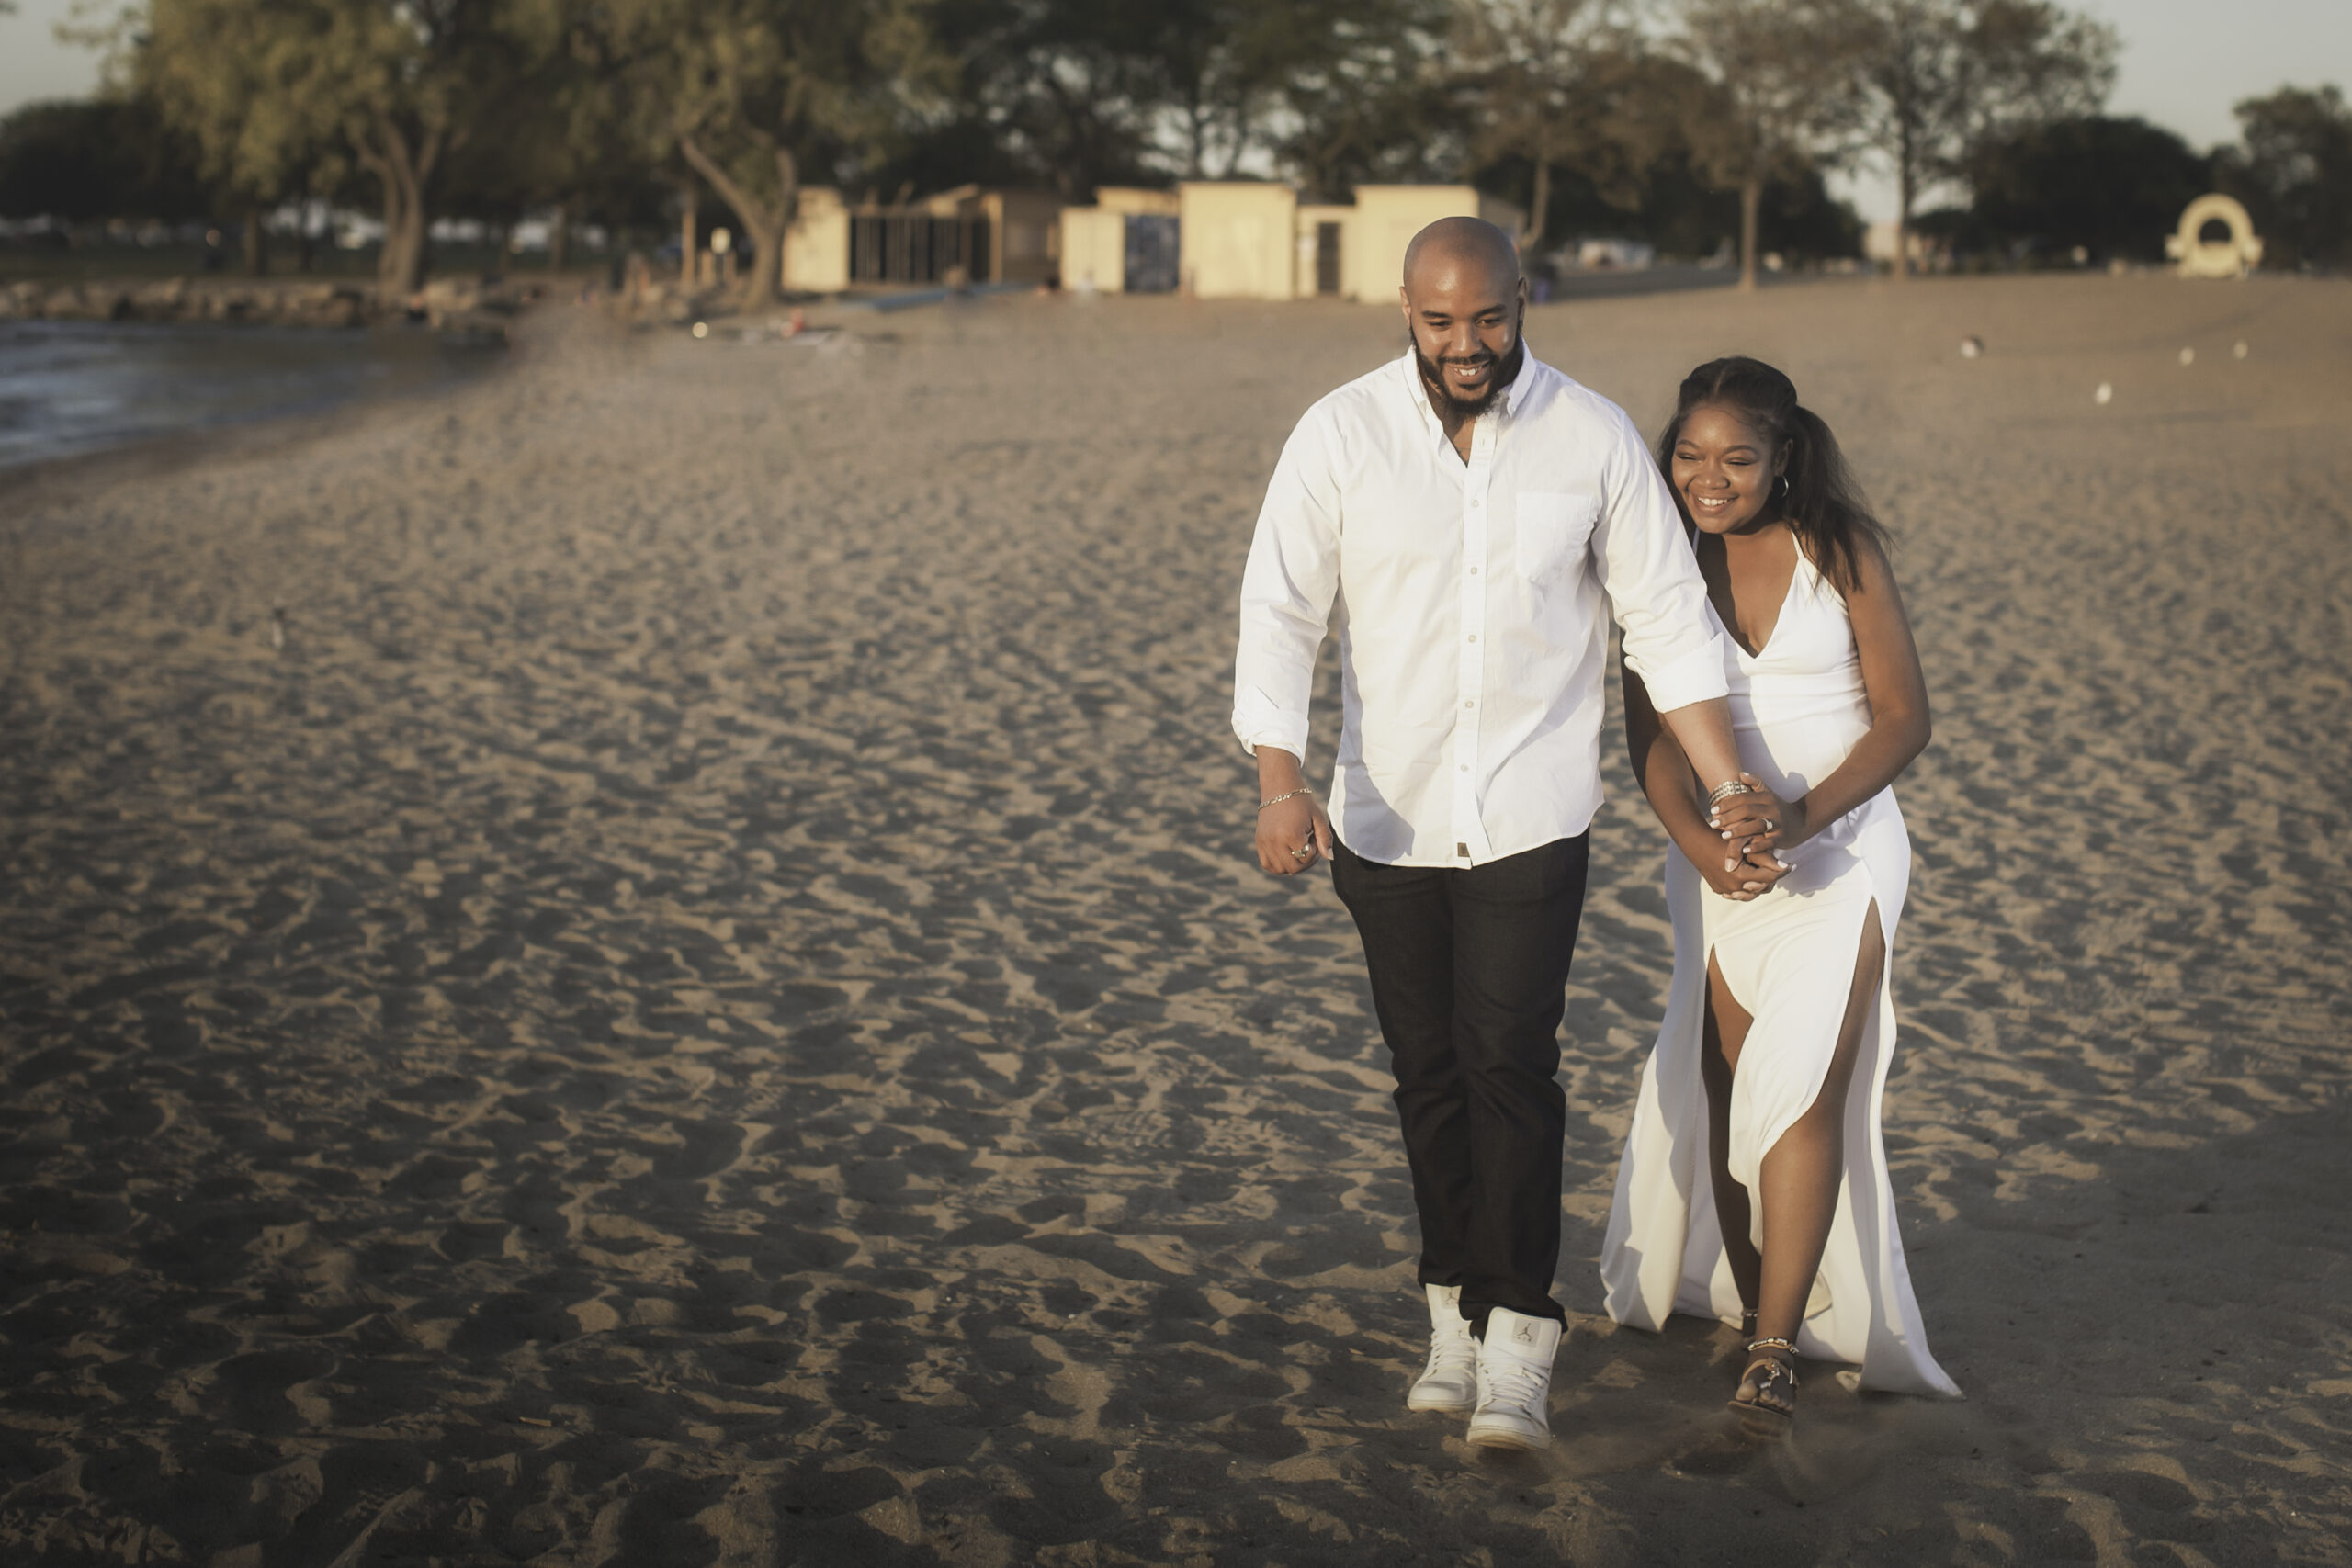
1767 1388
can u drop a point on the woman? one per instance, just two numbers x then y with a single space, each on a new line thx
1771 1064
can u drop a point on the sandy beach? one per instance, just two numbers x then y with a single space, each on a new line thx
710 1003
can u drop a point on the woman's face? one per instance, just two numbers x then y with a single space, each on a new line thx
1724 469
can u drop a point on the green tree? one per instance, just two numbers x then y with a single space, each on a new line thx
1774 95
1374 100
1070 90
1942 79
230 76
751 93
416 79
2295 169
109 157
1537 75
2114 187
394 84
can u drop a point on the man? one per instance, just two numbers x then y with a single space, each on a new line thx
1465 509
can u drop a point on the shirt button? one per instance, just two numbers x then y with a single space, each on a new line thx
1473 571
1465 767
1473 637
1469 705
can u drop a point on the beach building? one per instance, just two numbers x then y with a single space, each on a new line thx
1386 217
1256 241
1322 230
1238 239
970 234
816 246
1124 244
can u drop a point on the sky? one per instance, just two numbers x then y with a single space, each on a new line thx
2184 63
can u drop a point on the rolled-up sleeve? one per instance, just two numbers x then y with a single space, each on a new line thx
1653 582
1287 592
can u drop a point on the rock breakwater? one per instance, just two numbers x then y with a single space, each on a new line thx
450 304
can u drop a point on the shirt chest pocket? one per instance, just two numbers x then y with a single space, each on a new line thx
1554 526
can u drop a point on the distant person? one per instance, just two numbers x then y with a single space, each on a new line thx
1772 1061
1466 517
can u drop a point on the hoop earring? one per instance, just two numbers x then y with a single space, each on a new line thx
1781 488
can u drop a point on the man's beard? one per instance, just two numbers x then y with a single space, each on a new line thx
1506 371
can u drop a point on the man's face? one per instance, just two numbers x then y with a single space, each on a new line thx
1465 314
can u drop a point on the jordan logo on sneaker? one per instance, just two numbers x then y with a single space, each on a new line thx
1525 1332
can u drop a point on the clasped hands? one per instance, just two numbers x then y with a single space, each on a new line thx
1741 862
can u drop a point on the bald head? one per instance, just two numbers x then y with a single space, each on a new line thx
1463 299
1460 246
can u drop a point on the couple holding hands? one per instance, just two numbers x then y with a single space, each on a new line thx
1464 520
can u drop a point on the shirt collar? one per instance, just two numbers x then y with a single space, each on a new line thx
1513 395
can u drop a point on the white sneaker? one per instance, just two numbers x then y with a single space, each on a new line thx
1451 1379
1514 1382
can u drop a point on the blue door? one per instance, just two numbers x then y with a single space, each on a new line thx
1151 253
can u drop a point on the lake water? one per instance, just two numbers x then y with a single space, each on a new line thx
75 386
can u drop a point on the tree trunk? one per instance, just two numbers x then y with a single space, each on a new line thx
1751 204
1539 215
402 273
689 208
1240 141
559 237
763 284
1903 199
767 280
395 234
406 175
256 244
1906 193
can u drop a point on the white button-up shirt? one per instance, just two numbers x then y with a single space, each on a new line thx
1468 602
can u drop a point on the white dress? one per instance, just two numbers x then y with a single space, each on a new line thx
1799 707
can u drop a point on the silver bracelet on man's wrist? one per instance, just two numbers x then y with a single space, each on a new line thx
1287 795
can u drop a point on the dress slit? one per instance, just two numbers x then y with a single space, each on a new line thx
1799 707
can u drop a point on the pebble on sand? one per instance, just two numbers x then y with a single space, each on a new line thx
1971 346
2189 356
2237 350
702 329
2105 394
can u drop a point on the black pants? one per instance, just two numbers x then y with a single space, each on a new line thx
1469 975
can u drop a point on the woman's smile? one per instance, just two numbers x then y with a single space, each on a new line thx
1723 469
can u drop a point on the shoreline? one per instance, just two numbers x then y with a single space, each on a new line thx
155 452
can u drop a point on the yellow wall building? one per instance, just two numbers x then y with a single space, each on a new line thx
1245 240
816 246
1236 239
1323 250
1096 239
1239 240
1385 220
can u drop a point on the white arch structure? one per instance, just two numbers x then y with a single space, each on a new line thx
2200 257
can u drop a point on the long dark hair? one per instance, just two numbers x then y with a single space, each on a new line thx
1823 506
